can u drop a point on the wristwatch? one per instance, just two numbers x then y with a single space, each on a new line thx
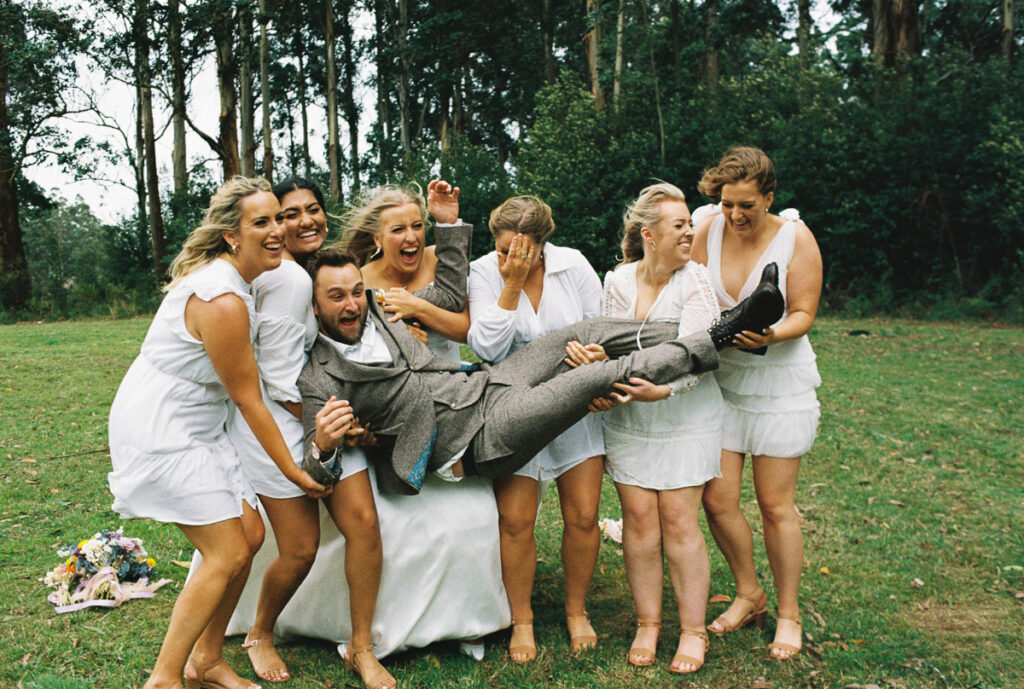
322 455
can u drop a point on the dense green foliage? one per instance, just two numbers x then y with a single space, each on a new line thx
908 166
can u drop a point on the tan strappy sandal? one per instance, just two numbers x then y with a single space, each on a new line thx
754 610
580 642
638 656
698 663
526 652
789 649
380 679
201 680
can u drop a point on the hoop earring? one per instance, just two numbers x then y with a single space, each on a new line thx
375 254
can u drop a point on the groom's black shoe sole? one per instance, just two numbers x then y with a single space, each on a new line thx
763 307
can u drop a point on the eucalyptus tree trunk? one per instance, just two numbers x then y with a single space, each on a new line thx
712 55
348 96
1008 31
227 73
15 280
300 53
140 169
617 84
677 48
245 96
592 47
156 222
268 144
382 79
803 32
654 79
897 30
332 105
179 161
404 68
547 28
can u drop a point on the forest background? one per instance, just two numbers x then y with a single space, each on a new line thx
897 129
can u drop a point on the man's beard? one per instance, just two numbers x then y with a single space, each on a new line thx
333 330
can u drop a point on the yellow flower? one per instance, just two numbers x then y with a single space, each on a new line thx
82 543
150 562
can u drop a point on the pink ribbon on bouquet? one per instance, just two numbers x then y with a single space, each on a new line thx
85 595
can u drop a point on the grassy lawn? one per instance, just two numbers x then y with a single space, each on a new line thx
912 500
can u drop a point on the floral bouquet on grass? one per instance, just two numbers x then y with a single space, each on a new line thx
105 571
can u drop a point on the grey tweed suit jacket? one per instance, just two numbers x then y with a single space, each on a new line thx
420 412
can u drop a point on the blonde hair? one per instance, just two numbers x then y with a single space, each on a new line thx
206 242
523 215
645 212
362 220
740 164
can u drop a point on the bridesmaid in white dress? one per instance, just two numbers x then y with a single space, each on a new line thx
771 409
286 331
171 458
513 300
661 455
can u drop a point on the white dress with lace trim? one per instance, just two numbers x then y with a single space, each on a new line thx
676 442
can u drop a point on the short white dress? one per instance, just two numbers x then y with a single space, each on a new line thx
771 407
677 442
286 331
572 292
172 460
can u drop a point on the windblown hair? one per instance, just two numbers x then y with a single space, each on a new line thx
362 221
740 164
331 257
206 242
645 212
523 214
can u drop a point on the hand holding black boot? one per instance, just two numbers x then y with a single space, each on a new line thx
763 307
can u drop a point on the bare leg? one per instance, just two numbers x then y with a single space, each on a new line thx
733 536
775 484
225 557
641 549
209 647
296 524
688 566
517 514
579 494
355 514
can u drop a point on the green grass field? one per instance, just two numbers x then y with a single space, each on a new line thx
912 500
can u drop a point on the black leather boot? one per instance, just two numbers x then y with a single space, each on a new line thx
763 307
769 274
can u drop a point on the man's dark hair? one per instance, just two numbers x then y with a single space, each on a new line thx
330 257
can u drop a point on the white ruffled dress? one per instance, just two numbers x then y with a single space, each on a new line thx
676 442
172 460
771 407
572 292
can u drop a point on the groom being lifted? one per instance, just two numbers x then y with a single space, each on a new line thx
428 413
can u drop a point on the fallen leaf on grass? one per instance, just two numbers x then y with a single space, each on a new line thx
824 570
1019 595
719 598
871 500
916 583
182 563
897 503
27 459
761 683
25 658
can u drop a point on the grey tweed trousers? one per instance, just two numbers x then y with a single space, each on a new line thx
533 395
